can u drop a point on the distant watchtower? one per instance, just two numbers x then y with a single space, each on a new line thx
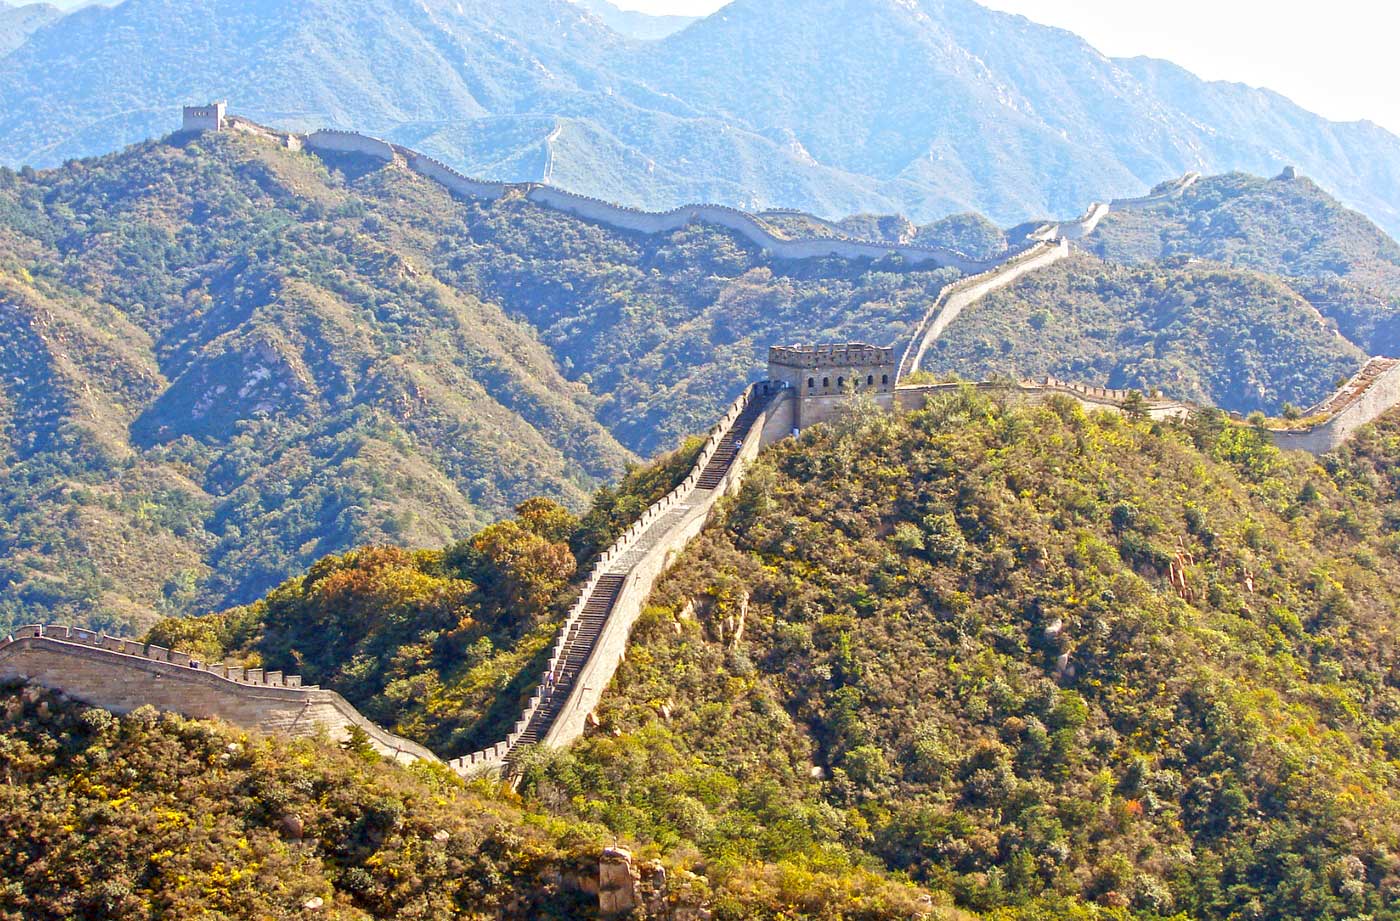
826 379
206 118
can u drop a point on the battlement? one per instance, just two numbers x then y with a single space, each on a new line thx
212 117
235 673
121 675
849 355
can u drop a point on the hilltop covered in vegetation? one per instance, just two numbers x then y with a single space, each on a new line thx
1050 664
1244 293
1343 264
1154 326
1034 658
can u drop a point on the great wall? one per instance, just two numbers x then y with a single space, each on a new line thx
805 386
122 674
743 223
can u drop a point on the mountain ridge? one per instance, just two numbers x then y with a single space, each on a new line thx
1021 121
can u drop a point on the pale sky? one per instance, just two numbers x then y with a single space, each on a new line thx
1339 58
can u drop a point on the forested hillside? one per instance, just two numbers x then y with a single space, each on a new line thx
1048 663
17 22
1034 659
190 819
227 360
1340 262
1155 326
1244 293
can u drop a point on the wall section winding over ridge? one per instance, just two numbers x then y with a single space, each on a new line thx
121 675
1372 391
642 553
633 219
958 296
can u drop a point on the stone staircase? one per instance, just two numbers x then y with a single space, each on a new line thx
625 569
729 448
582 638
578 646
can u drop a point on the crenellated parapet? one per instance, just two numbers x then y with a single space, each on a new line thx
1369 393
121 675
591 642
1169 191
1090 397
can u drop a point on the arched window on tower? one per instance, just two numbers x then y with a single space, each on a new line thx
869 381
826 382
840 382
884 380
811 382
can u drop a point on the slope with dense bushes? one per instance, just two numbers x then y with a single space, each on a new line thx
1154 326
226 360
1037 659
1343 264
1055 665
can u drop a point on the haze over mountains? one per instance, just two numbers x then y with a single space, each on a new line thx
927 108
18 22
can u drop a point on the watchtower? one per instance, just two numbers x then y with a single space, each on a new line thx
206 118
827 379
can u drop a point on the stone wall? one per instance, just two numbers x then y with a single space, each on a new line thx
961 294
636 220
121 675
349 142
915 397
1076 229
1170 192
1350 409
694 506
204 118
597 674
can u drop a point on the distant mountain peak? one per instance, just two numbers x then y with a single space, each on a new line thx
930 107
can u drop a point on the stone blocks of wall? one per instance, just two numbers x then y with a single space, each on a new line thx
633 219
916 397
349 142
1172 192
611 647
122 675
606 655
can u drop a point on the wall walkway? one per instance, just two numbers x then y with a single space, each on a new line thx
1371 392
593 639
121 675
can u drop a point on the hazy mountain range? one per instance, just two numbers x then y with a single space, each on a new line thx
928 108
18 22
634 24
